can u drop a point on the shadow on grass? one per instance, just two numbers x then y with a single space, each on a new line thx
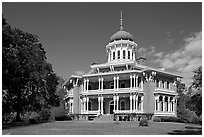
189 131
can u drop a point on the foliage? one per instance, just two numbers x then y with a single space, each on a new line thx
197 77
29 83
156 119
143 122
170 119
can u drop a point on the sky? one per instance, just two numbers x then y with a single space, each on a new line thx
74 35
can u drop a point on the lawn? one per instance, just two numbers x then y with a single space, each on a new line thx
105 128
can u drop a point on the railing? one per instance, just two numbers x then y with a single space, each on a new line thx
164 89
164 113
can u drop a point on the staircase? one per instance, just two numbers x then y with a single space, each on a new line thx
104 118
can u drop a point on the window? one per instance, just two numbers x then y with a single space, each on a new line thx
118 54
89 87
123 54
167 85
122 105
122 85
128 54
157 83
132 56
89 107
111 85
113 55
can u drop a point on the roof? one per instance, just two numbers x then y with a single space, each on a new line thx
121 35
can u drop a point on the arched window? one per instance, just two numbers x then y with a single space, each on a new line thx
167 85
166 103
157 83
113 55
128 54
161 103
90 106
111 85
89 87
122 105
118 54
123 54
122 85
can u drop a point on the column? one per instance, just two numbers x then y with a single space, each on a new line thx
114 98
130 81
136 102
102 84
134 81
101 105
117 83
159 83
174 109
108 56
84 85
163 103
131 54
142 107
87 104
130 103
134 97
169 104
142 82
99 84
159 104
117 99
84 105
114 83
87 85
137 80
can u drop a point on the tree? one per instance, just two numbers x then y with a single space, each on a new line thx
195 101
29 83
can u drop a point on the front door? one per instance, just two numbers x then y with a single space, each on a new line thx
111 108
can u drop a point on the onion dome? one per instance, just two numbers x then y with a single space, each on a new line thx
121 34
124 35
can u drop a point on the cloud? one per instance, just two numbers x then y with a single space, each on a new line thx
184 60
79 72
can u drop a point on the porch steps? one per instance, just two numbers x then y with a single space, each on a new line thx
104 118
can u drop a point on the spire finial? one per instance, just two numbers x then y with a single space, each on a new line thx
121 20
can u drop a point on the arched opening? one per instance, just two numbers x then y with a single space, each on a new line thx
123 54
122 85
89 87
139 103
128 54
161 103
118 54
113 55
166 103
111 85
122 105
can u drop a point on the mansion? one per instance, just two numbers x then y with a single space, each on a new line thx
122 85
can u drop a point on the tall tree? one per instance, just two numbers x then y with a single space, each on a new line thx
29 82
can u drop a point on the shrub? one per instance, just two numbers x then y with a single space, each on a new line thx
194 119
143 122
34 118
157 119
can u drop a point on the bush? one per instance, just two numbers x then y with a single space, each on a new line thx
143 122
194 119
34 118
8 118
170 119
157 119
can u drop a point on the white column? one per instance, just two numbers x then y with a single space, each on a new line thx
136 102
84 85
99 84
126 54
117 83
101 105
130 103
87 85
117 99
137 81
134 98
131 54
84 105
163 103
114 98
142 107
108 56
174 109
87 104
131 82
169 105
134 81
114 83
159 83
102 84
142 83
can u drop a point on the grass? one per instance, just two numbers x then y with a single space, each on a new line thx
105 128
